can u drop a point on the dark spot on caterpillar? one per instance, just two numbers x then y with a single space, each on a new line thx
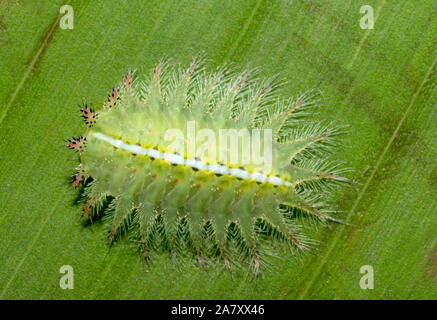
175 180
86 211
88 115
226 260
128 80
77 178
76 143
175 164
157 70
256 265
154 175
192 68
195 169
145 251
198 186
113 97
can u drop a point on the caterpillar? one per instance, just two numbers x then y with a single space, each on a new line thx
196 194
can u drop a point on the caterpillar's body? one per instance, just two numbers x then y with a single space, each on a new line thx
198 198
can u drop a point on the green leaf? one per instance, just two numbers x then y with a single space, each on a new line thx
379 82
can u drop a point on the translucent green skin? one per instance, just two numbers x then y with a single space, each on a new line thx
145 188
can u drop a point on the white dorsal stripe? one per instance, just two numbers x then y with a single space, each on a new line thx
193 163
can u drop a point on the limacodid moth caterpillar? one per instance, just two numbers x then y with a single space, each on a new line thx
153 180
